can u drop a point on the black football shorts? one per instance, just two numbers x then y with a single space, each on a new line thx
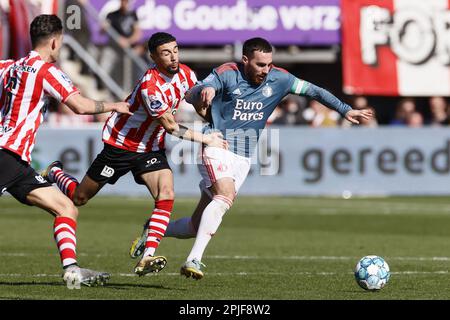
17 177
112 163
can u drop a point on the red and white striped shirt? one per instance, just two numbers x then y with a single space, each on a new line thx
151 98
24 86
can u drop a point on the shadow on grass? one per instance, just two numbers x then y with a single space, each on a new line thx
126 286
32 283
16 298
114 286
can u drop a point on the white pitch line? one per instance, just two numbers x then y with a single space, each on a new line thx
172 274
238 257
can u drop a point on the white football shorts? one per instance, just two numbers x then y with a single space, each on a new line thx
217 163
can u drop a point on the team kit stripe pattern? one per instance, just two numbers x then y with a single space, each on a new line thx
22 105
158 224
65 182
228 201
151 98
208 166
65 238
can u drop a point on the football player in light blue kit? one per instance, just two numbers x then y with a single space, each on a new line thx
237 99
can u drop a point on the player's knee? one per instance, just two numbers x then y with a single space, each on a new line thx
68 209
80 199
73 212
225 189
166 193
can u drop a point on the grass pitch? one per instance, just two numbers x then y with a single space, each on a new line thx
267 248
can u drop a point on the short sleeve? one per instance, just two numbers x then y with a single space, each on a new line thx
58 85
154 103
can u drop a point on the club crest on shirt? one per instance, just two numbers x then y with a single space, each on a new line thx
267 91
155 103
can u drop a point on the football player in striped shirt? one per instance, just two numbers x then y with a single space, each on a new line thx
136 143
240 98
25 86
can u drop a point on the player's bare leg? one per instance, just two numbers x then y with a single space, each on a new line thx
79 193
160 185
224 193
85 191
55 202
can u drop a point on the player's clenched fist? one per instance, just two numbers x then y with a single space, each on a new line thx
206 96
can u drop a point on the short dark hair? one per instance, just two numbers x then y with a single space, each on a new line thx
256 44
158 39
44 26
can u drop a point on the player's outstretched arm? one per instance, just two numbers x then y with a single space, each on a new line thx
214 139
82 105
353 115
329 100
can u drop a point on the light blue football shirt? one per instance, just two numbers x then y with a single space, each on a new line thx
240 109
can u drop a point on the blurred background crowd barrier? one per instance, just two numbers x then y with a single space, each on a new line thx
289 161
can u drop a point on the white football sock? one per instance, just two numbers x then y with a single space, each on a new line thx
181 229
210 222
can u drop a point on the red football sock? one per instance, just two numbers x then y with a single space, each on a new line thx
66 241
158 224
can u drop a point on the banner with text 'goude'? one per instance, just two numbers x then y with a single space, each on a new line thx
396 47
217 22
